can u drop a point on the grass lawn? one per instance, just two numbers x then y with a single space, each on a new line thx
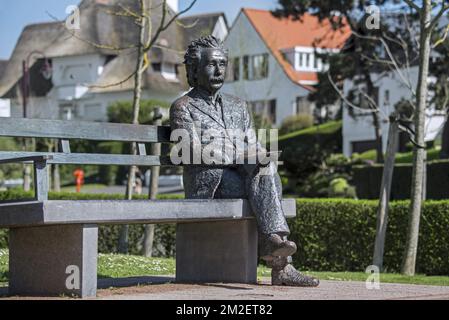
85 187
119 266
406 157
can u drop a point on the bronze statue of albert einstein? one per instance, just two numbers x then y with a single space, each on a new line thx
204 108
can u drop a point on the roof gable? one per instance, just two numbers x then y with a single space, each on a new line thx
281 34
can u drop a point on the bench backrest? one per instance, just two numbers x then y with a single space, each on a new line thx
82 130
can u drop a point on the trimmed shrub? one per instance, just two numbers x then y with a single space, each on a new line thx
367 180
331 234
297 122
303 152
338 235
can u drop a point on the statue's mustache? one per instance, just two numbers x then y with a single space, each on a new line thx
217 79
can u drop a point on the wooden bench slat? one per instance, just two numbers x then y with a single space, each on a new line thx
92 159
32 157
127 212
82 130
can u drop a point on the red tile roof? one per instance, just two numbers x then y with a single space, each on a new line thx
280 34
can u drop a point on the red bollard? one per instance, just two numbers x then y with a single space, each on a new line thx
79 179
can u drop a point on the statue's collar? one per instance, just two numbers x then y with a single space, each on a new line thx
203 94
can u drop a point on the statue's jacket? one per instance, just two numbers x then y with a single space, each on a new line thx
209 129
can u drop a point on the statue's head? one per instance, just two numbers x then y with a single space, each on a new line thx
206 61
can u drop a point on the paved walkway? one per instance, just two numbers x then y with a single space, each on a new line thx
164 288
328 290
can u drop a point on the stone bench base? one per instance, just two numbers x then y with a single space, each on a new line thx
217 252
54 244
53 261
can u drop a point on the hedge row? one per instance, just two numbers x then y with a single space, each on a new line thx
338 235
367 180
332 235
303 152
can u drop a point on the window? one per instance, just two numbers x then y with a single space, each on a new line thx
169 71
260 66
272 112
255 67
246 68
306 60
265 109
317 63
233 73
236 69
67 111
157 67
302 105
309 61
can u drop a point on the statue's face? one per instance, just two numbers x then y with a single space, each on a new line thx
212 70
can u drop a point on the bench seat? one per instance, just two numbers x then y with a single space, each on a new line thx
53 245
52 212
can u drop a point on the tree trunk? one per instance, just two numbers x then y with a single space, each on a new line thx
384 199
148 238
409 263
123 241
378 135
55 171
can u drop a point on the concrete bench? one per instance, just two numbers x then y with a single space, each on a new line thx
53 244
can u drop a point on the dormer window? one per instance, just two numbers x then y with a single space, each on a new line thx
305 59
308 61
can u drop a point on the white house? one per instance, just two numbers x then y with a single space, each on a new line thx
273 62
72 79
358 128
5 108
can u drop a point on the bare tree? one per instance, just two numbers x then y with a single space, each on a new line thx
147 40
427 25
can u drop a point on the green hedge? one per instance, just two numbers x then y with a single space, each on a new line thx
332 234
303 152
338 235
367 180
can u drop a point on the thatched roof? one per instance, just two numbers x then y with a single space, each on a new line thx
123 66
98 26
3 64
35 37
196 26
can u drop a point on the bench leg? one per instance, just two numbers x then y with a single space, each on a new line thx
53 261
214 252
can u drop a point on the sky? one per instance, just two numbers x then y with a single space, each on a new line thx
16 14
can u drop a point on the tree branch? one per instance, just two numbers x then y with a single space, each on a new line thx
342 96
413 5
434 21
164 27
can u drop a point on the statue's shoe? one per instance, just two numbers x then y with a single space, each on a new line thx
289 276
274 246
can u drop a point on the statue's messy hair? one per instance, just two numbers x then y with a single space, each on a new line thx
193 55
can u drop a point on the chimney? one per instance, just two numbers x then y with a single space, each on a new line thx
174 5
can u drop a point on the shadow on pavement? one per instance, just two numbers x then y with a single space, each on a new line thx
106 283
